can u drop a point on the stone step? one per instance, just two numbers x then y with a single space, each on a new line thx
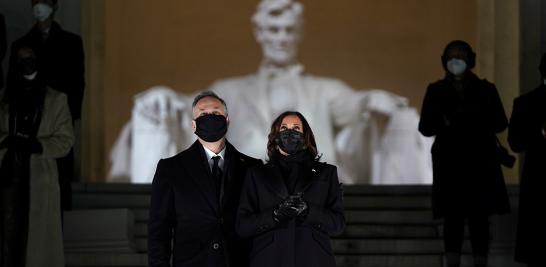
127 200
388 202
367 246
365 231
137 196
394 216
140 260
110 201
371 190
99 230
111 188
434 260
382 246
387 246
391 190
389 261
106 259
359 231
419 217
348 189
390 231
418 261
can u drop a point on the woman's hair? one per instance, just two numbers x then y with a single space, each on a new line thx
463 46
309 137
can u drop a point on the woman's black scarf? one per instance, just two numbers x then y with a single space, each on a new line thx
293 168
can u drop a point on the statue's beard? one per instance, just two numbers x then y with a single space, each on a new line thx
280 56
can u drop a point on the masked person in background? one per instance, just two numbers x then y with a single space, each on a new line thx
60 62
35 130
527 134
464 113
195 195
290 206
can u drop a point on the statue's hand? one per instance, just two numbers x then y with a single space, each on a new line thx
158 104
383 102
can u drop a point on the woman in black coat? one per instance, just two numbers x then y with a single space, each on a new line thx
291 206
527 134
464 113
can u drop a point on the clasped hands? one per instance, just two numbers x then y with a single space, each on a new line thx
294 206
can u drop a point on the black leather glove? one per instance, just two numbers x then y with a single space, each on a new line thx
301 206
285 211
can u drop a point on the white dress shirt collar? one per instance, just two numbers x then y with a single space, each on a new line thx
211 154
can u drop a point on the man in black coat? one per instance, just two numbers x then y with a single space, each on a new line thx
195 196
527 134
60 60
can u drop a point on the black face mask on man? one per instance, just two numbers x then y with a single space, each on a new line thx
291 141
210 127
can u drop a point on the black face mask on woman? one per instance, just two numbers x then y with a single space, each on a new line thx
291 141
210 127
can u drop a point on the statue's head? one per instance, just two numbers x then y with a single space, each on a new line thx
278 26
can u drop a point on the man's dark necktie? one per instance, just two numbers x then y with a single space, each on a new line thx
216 172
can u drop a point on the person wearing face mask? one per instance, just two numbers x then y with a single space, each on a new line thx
527 134
59 53
60 61
464 113
195 195
35 130
291 206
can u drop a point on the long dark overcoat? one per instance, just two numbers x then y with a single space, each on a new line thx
191 223
298 243
467 177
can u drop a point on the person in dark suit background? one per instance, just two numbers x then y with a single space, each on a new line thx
195 195
60 59
290 206
527 134
464 113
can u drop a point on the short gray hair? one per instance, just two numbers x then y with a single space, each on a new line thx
208 94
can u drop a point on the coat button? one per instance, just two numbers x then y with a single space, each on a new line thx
215 246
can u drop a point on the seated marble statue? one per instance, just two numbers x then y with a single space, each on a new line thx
345 121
